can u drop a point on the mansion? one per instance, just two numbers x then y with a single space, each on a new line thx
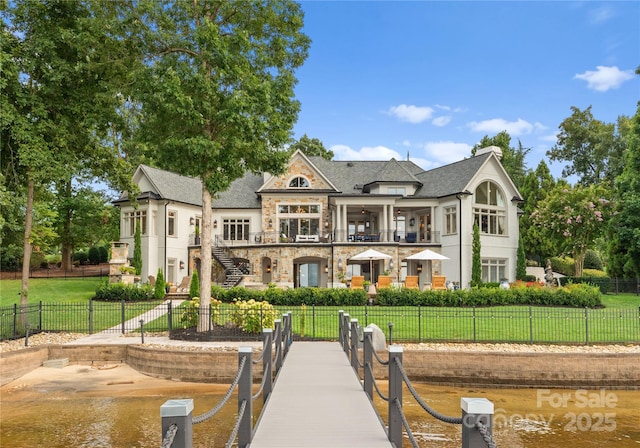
304 227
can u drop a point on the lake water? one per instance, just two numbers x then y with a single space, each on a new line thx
58 413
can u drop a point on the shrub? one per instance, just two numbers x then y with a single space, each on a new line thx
103 253
94 255
253 316
194 286
563 265
159 291
80 256
116 292
191 312
592 260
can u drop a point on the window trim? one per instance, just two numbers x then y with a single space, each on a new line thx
172 215
450 217
298 187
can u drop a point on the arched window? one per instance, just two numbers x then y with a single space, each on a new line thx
299 182
489 210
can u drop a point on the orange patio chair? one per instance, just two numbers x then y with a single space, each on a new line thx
357 282
384 281
438 282
411 282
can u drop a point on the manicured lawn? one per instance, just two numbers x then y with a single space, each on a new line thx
49 290
621 300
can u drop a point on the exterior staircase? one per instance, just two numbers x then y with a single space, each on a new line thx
233 273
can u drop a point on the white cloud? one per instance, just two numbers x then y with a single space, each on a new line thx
495 125
601 14
549 138
344 152
605 78
441 121
444 152
411 114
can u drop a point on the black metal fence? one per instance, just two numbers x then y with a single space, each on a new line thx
517 324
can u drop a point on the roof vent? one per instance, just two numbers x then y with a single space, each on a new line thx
494 149
349 163
358 186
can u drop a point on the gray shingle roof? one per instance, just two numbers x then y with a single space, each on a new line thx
449 179
349 177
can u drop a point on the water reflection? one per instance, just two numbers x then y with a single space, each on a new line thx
35 416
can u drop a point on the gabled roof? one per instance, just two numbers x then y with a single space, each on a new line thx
349 177
449 179
392 171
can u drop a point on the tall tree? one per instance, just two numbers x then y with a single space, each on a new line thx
218 93
624 226
572 218
312 147
513 160
61 69
476 257
591 148
536 186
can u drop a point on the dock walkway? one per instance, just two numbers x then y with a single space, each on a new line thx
318 402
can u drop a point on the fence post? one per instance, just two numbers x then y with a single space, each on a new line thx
40 316
395 395
245 395
368 362
345 330
267 341
122 315
354 344
278 326
475 410
178 412
474 324
586 325
530 325
340 332
169 316
15 321
90 316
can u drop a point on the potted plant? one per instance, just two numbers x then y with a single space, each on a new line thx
366 284
342 277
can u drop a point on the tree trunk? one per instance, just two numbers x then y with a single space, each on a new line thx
67 246
578 263
26 260
205 261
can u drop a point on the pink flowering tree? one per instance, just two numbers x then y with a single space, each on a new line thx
572 218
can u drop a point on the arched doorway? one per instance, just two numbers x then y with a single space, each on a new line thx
266 270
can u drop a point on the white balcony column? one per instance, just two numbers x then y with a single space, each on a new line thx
385 224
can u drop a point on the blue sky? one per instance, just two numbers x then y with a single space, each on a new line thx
384 78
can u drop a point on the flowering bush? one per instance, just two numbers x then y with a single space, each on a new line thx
191 312
252 316
572 217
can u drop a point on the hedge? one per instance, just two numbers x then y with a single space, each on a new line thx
116 292
573 295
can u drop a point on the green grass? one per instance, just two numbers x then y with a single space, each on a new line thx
49 290
618 323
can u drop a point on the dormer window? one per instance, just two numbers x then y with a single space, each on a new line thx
299 182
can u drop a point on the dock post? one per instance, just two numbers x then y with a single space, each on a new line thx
245 396
474 411
267 366
278 344
368 362
345 329
354 344
178 413
395 396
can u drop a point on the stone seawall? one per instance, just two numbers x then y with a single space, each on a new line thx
488 369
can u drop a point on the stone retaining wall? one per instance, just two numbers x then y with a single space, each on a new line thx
488 369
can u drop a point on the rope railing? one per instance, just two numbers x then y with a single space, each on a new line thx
476 413
177 419
167 441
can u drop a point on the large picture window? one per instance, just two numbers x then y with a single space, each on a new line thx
137 217
235 229
493 270
489 210
298 219
450 220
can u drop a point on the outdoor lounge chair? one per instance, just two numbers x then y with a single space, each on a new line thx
411 282
185 284
384 281
438 282
357 282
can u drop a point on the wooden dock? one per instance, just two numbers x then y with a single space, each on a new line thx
318 402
